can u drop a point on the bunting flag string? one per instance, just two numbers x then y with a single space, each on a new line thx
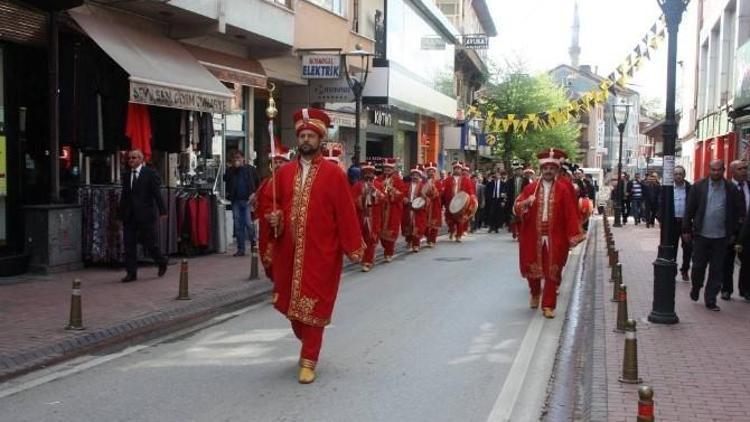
504 123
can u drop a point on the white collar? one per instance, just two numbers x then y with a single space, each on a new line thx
137 170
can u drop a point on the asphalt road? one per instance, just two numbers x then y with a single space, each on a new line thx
429 337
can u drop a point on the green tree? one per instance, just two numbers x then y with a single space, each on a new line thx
512 90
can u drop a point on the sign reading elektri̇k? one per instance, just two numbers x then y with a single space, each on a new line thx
321 66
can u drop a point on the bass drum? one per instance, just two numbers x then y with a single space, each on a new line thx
418 203
459 204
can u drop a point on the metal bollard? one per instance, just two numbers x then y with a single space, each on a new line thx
254 264
630 357
622 310
183 293
75 321
617 280
645 404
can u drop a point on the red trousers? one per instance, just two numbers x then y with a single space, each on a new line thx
413 241
369 256
549 296
455 227
389 247
432 235
312 340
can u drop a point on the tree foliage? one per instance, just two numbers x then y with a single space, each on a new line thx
512 90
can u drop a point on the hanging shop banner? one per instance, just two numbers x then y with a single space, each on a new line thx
433 43
742 73
476 42
321 66
164 96
330 91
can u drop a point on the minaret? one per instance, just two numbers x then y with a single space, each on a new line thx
575 48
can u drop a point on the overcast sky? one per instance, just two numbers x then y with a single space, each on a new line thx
539 32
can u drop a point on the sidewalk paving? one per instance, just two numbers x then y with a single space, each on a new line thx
698 368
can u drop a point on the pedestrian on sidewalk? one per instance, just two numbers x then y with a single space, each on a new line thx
517 183
681 193
314 225
624 189
712 220
141 199
479 218
497 194
738 169
242 181
549 228
635 195
651 194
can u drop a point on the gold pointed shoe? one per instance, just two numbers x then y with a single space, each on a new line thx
548 313
306 375
366 268
534 302
450 236
388 258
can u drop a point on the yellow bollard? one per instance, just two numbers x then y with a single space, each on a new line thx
183 293
76 315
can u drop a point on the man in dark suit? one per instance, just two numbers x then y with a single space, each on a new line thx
681 193
497 193
141 198
739 182
714 210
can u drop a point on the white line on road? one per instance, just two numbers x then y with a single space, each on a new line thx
65 369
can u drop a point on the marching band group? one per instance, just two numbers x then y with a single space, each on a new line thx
310 216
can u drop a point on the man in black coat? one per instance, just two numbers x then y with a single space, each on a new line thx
712 220
140 201
497 193
651 195
681 193
738 169
241 183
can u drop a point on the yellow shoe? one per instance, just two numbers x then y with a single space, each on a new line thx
534 302
430 245
450 236
366 268
388 258
415 249
306 375
548 313
458 240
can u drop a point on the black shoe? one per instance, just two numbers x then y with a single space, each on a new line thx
239 253
713 307
162 269
695 293
726 296
685 276
128 278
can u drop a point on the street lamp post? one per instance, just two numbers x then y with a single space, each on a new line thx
665 266
620 115
357 85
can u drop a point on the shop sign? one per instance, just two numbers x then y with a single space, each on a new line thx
321 66
742 72
433 43
476 42
342 119
162 96
381 118
330 91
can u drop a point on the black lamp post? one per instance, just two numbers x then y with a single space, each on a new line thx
357 85
620 115
665 266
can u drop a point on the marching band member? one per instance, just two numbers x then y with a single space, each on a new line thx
314 225
369 197
415 218
432 191
548 229
457 223
393 207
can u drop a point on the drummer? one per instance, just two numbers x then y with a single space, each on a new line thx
414 223
458 219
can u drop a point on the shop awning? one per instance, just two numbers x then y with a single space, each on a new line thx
228 68
162 72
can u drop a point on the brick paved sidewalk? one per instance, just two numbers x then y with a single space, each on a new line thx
699 368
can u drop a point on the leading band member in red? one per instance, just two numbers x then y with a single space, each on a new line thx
432 191
314 226
452 185
368 197
264 205
393 207
548 229
415 217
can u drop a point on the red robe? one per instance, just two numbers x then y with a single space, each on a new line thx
370 214
414 222
263 206
434 207
319 226
393 207
564 231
